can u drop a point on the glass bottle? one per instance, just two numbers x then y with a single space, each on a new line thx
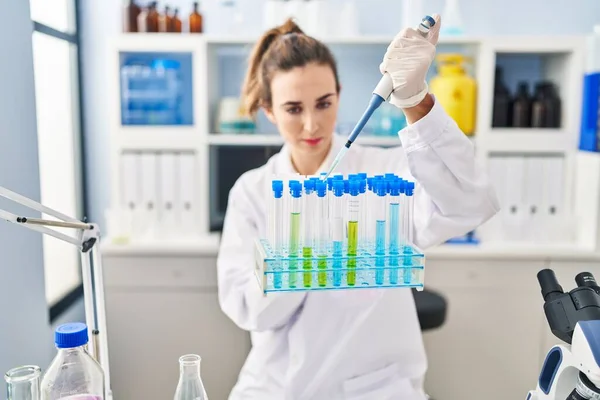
132 12
501 108
521 109
165 20
190 385
23 383
73 374
152 18
195 20
176 22
539 107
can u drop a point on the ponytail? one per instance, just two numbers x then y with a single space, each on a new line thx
280 49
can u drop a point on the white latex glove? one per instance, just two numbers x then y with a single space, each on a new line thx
407 61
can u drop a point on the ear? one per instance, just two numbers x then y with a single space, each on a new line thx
270 116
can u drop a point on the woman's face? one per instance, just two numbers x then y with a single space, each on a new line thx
304 108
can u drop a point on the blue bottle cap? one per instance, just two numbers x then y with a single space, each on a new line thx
309 186
370 182
394 187
380 187
354 187
321 188
277 187
68 336
409 188
338 188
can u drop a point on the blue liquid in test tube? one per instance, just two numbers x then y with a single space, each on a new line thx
394 217
408 229
277 209
379 211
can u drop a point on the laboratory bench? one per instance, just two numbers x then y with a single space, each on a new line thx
161 301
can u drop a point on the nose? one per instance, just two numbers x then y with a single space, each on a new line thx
311 123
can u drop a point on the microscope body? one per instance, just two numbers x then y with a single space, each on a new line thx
572 371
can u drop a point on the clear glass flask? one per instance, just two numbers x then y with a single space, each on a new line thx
73 374
23 383
190 385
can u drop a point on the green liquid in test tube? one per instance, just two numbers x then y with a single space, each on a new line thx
337 230
308 229
295 220
322 233
353 211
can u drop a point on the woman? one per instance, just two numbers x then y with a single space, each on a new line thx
350 344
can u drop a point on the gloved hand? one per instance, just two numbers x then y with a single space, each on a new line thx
407 60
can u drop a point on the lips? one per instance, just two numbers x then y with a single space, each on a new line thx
312 142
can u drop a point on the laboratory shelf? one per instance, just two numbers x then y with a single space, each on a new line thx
159 138
527 140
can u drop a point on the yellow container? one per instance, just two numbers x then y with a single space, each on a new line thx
456 91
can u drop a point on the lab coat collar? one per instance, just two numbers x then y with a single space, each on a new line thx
285 165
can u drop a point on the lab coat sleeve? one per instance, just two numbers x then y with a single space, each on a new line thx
240 296
453 195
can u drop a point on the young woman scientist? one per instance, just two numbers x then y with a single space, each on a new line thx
330 345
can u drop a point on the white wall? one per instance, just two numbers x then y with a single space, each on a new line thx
25 335
101 22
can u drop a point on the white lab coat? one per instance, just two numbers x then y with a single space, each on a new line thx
357 344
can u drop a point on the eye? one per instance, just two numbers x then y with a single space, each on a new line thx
294 110
324 105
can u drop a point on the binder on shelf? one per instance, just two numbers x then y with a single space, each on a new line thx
131 194
168 191
514 187
149 182
554 181
534 215
187 206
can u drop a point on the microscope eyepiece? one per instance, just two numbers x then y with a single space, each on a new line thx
548 283
585 279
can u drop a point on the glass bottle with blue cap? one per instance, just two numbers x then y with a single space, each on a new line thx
73 374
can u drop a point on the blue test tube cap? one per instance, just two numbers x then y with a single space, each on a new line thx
338 188
338 177
277 187
380 187
394 187
363 185
352 177
370 183
295 189
362 175
321 187
346 185
354 187
309 186
402 184
390 176
409 188
330 183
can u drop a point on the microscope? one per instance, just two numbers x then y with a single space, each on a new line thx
571 372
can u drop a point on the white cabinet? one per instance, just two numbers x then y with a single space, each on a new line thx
489 346
159 308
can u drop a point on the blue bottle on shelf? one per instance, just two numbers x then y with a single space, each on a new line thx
589 139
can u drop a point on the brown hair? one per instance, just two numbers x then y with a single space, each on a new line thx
281 49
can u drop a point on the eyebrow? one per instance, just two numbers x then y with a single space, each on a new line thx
297 103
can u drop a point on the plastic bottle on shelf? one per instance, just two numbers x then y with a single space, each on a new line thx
539 112
141 19
152 18
590 114
73 374
521 107
456 91
131 13
195 20
501 108
546 107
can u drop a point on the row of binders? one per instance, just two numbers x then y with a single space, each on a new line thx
531 190
158 196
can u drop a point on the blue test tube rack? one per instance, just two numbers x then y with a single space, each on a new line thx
277 269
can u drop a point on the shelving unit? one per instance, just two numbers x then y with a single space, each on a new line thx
218 64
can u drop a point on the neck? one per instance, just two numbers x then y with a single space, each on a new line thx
308 164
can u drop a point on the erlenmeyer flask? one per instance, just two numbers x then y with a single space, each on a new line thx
23 383
190 385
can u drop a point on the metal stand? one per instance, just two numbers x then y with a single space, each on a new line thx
88 240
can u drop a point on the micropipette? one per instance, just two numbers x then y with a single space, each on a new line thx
382 92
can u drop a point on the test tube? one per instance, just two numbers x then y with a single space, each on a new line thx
277 229
322 234
408 229
353 229
307 225
337 224
394 224
369 204
362 216
295 221
379 203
